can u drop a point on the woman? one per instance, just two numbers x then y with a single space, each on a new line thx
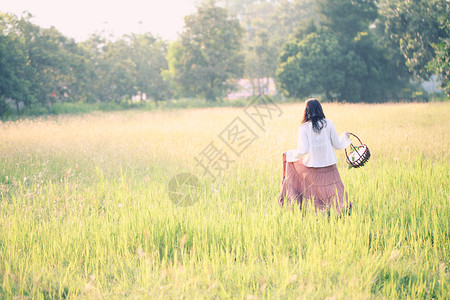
315 178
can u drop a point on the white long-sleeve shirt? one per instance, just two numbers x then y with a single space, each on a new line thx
317 149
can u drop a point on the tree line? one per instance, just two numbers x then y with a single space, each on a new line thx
346 50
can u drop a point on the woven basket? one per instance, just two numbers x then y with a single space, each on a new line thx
359 155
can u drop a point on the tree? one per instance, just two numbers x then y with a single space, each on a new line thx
13 85
55 61
371 71
347 17
441 64
45 68
259 47
416 27
339 56
40 66
94 87
267 25
129 66
120 67
314 64
149 56
111 69
260 62
208 56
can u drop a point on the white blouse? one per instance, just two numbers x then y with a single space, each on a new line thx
317 149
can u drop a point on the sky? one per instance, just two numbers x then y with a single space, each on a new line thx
80 18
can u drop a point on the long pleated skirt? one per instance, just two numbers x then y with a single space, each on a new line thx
322 187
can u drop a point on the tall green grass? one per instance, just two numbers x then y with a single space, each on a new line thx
84 210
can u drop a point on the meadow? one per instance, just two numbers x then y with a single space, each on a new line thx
85 209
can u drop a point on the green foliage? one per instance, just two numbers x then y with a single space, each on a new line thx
149 55
48 69
340 57
316 64
347 18
441 64
259 57
349 50
120 69
40 67
208 56
415 27
41 63
267 25
320 63
372 71
13 81
170 75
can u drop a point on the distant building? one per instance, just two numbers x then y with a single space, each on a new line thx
251 87
139 97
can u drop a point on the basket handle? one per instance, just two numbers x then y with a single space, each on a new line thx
351 145
356 137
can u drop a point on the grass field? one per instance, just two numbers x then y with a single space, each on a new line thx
85 212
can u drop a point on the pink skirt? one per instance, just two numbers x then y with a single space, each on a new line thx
322 186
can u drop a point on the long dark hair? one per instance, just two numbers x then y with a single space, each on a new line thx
314 113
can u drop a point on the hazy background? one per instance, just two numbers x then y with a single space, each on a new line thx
62 57
79 19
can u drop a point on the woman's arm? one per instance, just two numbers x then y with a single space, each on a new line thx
302 146
337 142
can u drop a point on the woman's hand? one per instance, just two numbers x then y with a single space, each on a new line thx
347 134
